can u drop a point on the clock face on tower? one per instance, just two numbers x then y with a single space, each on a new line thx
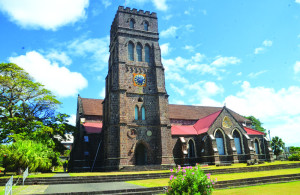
139 80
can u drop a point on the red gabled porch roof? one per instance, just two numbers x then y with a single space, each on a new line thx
203 124
252 131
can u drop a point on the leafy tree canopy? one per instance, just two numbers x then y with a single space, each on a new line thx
277 145
28 110
257 125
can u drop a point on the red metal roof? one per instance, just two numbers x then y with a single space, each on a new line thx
253 132
183 130
203 124
93 127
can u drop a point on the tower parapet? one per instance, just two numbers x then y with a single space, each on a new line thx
138 12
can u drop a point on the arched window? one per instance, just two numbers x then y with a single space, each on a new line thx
131 24
256 145
143 113
237 142
146 25
139 52
220 142
147 53
130 51
191 149
136 113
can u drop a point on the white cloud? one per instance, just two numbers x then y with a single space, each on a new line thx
72 120
204 91
271 106
170 32
173 65
174 76
258 50
239 74
236 82
46 14
106 3
96 49
297 66
167 17
203 69
59 56
297 1
223 61
189 27
60 80
165 49
267 43
256 74
102 93
177 89
160 4
198 57
190 48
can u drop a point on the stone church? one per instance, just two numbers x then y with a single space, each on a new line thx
135 124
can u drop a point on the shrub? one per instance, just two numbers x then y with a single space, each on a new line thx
27 153
190 180
294 157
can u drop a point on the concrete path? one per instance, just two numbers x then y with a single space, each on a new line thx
61 175
89 187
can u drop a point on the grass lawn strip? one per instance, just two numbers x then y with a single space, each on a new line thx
220 177
241 165
290 188
238 165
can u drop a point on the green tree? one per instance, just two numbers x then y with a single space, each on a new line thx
277 145
28 110
28 153
257 125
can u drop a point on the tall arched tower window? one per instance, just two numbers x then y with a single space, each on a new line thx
220 142
256 145
136 113
143 113
130 51
139 52
146 25
147 53
131 24
237 142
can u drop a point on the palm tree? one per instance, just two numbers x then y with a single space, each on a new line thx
277 145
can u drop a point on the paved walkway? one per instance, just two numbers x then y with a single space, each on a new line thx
89 187
66 188
61 175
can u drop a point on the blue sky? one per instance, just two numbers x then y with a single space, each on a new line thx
245 54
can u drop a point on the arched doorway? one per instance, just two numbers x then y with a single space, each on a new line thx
140 155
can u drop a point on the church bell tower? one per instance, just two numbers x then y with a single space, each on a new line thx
136 125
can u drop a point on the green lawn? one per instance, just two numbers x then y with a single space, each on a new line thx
220 177
290 188
239 165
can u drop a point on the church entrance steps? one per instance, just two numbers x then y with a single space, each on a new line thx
218 185
128 177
